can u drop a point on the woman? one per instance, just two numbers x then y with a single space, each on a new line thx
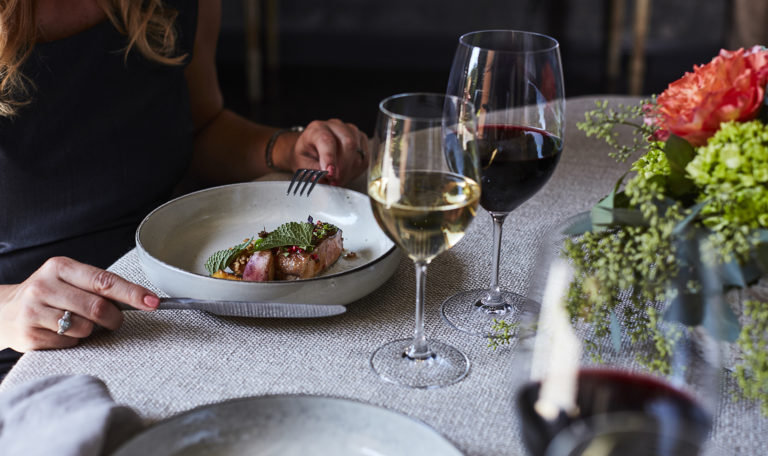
106 106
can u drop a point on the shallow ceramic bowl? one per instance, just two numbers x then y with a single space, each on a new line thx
175 240
289 426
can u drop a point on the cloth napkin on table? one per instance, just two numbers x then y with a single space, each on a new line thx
63 415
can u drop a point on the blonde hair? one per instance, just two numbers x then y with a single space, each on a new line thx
148 25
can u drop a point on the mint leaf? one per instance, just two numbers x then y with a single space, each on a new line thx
221 259
291 233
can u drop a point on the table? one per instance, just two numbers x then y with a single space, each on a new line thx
166 362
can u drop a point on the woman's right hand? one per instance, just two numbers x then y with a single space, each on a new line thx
30 311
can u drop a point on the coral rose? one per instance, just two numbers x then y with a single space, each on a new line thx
730 87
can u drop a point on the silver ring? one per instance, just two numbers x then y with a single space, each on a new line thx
362 153
65 322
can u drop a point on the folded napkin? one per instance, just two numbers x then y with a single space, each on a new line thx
63 415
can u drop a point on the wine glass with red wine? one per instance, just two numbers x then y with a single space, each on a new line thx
607 389
514 79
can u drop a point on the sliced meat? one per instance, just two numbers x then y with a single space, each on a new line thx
329 250
306 265
260 267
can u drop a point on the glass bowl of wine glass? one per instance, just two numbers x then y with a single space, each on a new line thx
423 185
514 79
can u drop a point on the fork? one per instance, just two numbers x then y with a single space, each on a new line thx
308 177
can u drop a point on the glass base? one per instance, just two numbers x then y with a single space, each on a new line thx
466 312
445 366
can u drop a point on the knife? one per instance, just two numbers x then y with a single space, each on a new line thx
248 308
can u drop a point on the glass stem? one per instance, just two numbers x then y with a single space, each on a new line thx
420 350
494 293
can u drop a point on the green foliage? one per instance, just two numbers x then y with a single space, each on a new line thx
603 121
632 251
291 233
732 172
502 333
663 339
752 374
221 259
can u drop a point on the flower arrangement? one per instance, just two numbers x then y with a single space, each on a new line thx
701 169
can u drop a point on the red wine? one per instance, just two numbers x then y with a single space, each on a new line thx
515 163
678 423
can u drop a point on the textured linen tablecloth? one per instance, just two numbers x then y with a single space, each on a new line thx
166 362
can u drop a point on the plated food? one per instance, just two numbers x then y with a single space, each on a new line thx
294 250
175 240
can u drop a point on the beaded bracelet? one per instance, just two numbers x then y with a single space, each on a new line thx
271 144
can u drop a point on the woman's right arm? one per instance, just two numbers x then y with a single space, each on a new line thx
30 311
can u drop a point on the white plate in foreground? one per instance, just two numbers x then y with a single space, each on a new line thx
289 426
175 240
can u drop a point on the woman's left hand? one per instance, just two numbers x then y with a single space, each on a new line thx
335 146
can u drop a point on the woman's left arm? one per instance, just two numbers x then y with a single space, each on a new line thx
231 148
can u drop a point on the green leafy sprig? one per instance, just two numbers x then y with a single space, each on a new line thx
288 234
502 333
221 259
602 122
752 374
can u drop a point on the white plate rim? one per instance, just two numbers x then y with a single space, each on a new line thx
275 283
423 426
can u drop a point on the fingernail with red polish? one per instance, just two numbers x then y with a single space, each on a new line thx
152 301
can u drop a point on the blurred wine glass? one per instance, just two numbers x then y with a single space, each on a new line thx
610 389
423 185
515 81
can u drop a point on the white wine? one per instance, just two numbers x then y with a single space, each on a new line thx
425 213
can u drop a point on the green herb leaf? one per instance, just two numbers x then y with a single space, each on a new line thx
578 227
603 217
614 209
220 260
291 233
679 153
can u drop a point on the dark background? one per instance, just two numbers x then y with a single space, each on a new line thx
339 58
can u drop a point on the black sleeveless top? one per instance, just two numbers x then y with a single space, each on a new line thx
103 141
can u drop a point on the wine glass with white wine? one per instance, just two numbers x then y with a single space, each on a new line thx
423 184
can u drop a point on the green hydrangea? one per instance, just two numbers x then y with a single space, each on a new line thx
652 163
732 172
